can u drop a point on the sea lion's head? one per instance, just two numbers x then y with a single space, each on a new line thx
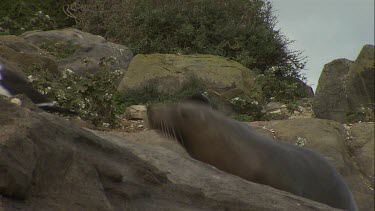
181 121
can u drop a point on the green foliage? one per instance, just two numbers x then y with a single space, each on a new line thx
18 16
146 96
93 96
60 50
280 89
246 109
242 30
243 118
363 115
150 94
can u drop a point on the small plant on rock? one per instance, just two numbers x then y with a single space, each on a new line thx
93 95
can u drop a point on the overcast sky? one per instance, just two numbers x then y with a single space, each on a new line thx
326 29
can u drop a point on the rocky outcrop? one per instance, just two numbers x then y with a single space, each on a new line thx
169 73
361 139
330 101
63 49
346 87
49 164
19 44
135 112
361 78
88 52
22 55
328 137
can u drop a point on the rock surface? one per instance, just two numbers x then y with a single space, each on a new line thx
361 78
169 72
361 136
21 56
330 97
277 110
91 52
48 164
328 137
135 112
345 87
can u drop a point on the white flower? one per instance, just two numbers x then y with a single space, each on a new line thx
69 71
301 141
31 78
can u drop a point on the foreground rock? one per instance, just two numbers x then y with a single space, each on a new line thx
346 88
361 139
328 138
346 148
48 164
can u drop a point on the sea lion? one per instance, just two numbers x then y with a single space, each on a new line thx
236 148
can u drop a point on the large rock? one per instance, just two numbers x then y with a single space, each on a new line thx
328 138
23 55
74 36
26 61
330 100
48 164
346 87
361 136
88 52
361 80
19 44
170 72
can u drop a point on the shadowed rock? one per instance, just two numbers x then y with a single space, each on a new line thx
48 164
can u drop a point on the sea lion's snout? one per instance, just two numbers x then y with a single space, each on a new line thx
149 119
156 115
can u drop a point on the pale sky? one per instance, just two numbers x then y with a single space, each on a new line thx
325 29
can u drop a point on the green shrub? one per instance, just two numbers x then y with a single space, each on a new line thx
363 115
242 30
151 95
246 109
243 118
280 89
93 96
18 16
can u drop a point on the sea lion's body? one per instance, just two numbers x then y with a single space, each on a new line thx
236 148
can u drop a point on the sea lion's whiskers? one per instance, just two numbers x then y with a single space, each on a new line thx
163 128
174 134
180 138
166 130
